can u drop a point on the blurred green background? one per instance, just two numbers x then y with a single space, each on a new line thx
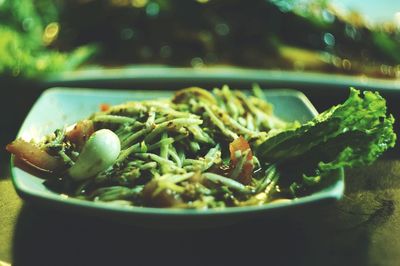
351 37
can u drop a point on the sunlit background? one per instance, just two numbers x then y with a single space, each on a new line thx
350 37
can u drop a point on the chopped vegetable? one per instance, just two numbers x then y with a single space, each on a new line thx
241 160
99 152
80 133
34 155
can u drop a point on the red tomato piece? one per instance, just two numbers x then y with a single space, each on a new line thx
34 156
240 144
80 133
104 107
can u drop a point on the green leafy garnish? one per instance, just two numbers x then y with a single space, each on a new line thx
354 133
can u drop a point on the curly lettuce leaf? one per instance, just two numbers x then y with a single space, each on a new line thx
354 133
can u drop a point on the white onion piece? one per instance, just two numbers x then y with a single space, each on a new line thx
99 152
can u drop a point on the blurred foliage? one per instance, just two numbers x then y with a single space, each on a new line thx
275 34
23 49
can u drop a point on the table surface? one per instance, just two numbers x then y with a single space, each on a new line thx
361 229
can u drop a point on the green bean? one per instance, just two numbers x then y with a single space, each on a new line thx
112 193
174 156
164 147
211 157
192 168
194 146
230 102
177 178
259 115
167 109
130 108
239 166
271 177
67 160
114 119
148 165
256 162
151 156
134 137
160 143
181 154
219 98
161 120
229 120
183 131
178 122
138 147
192 162
250 122
242 121
257 91
135 163
151 118
163 184
119 202
129 176
154 173
271 186
126 130
143 165
200 135
227 182
218 123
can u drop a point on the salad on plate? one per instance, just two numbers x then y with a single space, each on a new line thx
207 149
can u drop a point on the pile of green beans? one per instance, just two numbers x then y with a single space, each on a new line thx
175 152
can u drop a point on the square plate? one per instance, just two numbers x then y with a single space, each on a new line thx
58 107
